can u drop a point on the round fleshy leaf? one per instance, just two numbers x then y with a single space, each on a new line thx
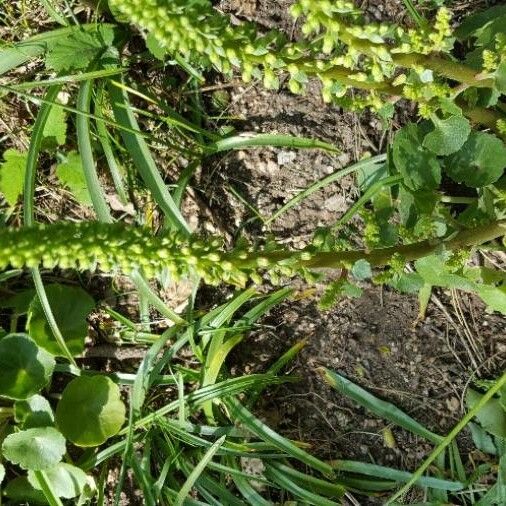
2 473
90 410
66 480
24 367
35 449
71 306
418 166
20 491
34 412
448 136
481 161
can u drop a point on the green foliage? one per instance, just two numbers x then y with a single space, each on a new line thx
493 415
480 162
79 49
33 412
90 410
67 481
71 307
55 130
418 166
35 449
448 136
71 174
24 367
12 174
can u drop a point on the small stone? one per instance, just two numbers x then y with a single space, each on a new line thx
286 157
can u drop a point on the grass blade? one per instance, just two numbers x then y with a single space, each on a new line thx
28 211
296 490
387 473
265 433
365 197
383 409
86 152
143 159
447 440
252 140
47 489
197 471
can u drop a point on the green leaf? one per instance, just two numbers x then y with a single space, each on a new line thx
476 22
71 306
22 492
407 282
418 166
481 439
434 272
34 412
34 449
494 297
71 174
66 480
155 48
448 136
90 410
12 175
24 367
481 161
79 49
336 290
492 416
500 77
384 409
55 129
2 473
361 270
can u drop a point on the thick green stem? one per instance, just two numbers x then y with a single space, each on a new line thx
382 256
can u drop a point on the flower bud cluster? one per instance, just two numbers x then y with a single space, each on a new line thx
337 37
120 248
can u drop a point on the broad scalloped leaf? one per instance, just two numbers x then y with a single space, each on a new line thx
481 161
418 166
12 175
35 449
66 480
90 410
79 49
71 306
71 174
24 367
55 129
448 136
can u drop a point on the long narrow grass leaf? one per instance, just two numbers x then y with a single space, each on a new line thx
197 471
29 212
387 473
143 159
383 409
253 140
86 152
447 440
297 490
265 433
